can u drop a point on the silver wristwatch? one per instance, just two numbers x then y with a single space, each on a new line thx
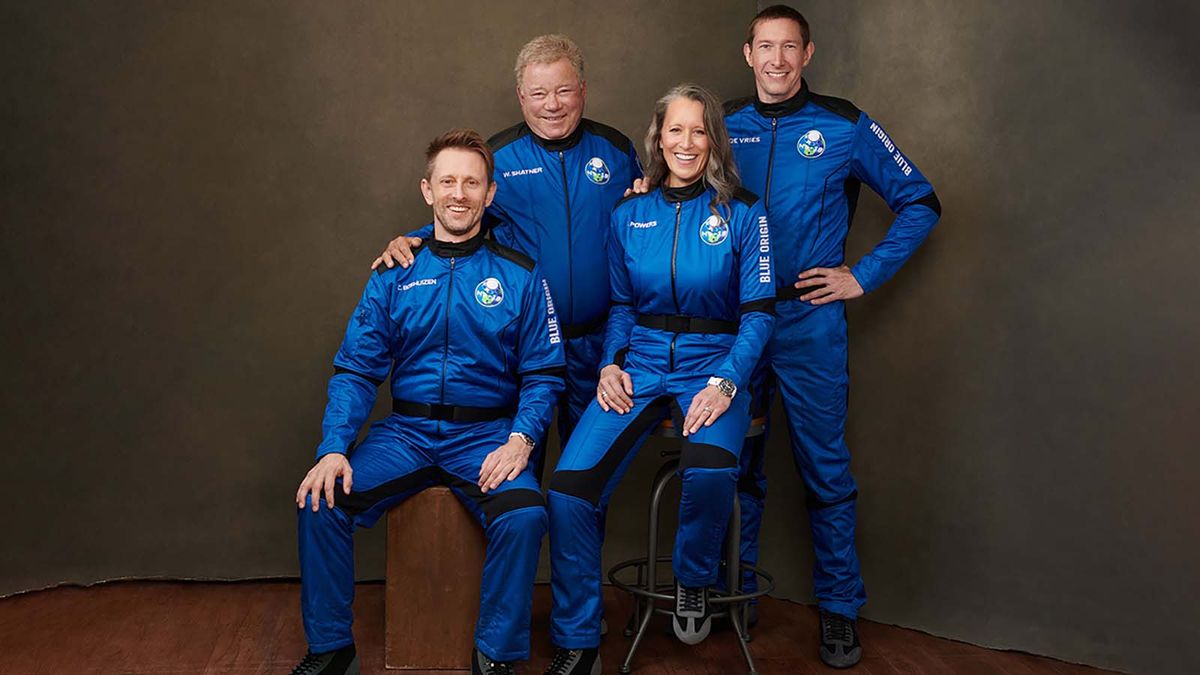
723 385
524 437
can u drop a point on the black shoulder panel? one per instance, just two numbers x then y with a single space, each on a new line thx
416 252
618 139
734 105
509 254
631 196
745 196
838 106
507 136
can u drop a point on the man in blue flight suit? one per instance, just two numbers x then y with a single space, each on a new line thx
558 176
807 155
475 347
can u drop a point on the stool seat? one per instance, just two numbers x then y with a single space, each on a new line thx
435 551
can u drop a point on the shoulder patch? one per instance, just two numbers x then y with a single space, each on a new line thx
509 254
734 105
745 196
837 106
503 138
619 140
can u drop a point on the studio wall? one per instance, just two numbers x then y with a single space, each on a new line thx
191 194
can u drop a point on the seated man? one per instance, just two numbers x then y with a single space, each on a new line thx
470 336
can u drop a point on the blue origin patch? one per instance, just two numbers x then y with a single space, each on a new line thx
489 292
811 145
597 171
714 230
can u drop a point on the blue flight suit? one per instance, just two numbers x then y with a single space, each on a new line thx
553 200
472 337
807 157
693 296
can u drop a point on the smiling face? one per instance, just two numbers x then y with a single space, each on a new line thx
684 141
778 55
458 189
552 97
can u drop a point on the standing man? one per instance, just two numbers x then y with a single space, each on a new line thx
558 176
471 338
807 155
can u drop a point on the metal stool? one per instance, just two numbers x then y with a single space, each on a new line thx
647 592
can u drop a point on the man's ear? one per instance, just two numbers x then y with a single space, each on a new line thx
491 194
427 191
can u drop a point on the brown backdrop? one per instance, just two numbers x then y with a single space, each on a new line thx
191 195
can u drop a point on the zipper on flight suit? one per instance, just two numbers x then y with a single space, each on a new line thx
446 332
562 163
770 163
674 295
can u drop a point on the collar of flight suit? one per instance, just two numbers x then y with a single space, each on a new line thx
562 144
682 194
456 249
785 107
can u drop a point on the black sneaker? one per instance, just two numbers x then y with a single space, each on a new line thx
482 665
691 621
342 661
575 662
839 640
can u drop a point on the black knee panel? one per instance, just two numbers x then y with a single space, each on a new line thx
356 502
588 484
495 504
705 456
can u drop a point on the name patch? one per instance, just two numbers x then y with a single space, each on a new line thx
521 172
418 282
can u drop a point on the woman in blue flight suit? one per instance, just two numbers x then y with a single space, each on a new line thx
693 304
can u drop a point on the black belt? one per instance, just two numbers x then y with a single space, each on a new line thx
675 323
578 330
450 413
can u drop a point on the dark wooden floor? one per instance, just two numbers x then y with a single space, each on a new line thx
244 628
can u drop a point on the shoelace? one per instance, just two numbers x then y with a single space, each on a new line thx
309 665
563 659
836 628
693 599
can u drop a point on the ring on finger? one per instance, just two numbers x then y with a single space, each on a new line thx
603 394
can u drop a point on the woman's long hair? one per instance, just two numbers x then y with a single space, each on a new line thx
720 172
